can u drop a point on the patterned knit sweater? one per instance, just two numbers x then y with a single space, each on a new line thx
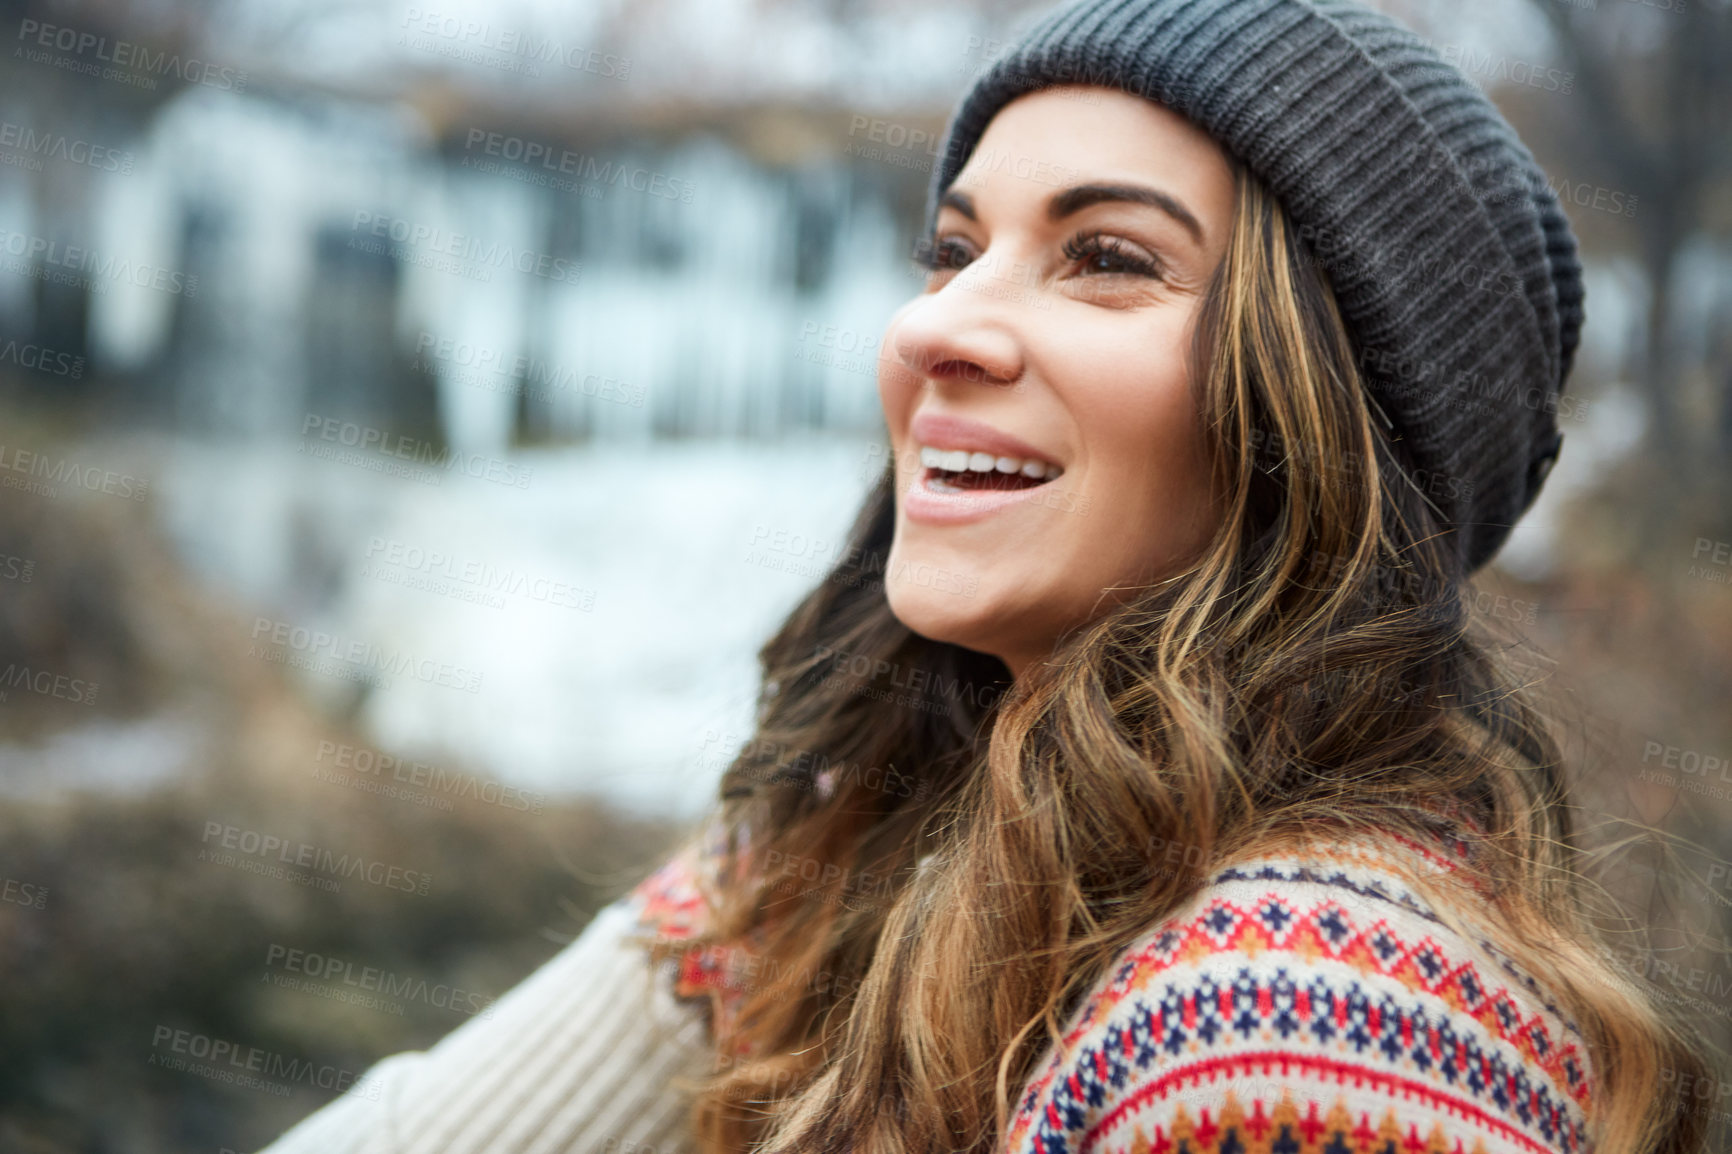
1300 1004
1304 1002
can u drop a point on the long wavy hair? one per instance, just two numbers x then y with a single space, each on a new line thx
935 863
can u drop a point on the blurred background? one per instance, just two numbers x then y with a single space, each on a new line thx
412 418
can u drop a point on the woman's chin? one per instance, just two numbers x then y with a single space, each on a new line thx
960 616
928 613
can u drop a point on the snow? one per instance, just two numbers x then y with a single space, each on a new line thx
662 541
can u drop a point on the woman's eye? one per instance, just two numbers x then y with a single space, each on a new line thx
1105 255
1096 255
944 253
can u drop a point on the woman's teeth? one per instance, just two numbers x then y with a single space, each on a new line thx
963 461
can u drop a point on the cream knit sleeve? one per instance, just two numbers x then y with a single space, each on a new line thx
581 1056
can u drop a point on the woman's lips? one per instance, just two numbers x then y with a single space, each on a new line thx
930 499
950 431
969 469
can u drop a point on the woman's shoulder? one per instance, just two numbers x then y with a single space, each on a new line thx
1308 994
672 905
669 903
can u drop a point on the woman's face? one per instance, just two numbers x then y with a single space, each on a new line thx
1053 340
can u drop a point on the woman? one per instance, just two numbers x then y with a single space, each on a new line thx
1138 779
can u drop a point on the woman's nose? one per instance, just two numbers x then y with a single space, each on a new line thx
959 333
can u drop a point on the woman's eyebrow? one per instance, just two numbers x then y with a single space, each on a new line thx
960 201
1074 200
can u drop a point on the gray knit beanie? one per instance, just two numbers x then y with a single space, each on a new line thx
1448 253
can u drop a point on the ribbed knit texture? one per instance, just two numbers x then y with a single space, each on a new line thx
580 1057
1452 260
